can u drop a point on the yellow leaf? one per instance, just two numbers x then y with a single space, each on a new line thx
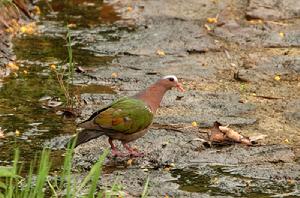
160 53
13 66
53 67
17 132
286 141
114 75
29 28
212 20
129 9
281 34
36 10
194 124
277 78
256 21
25 72
23 29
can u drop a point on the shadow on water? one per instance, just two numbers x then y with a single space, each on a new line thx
26 122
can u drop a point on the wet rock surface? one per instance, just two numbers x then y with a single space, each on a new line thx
242 70
230 74
273 10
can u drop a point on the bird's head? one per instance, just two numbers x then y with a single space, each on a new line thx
169 82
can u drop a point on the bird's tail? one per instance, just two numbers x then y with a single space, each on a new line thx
86 135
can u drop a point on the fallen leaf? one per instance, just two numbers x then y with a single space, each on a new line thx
254 139
160 53
277 78
53 67
212 20
29 28
224 135
17 132
114 75
194 124
129 9
234 136
256 21
36 10
281 34
12 66
286 141
216 135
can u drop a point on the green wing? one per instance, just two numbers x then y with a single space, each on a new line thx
127 115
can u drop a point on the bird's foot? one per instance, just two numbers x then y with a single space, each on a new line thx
132 151
136 153
116 153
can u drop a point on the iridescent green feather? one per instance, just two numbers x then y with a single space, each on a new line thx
127 115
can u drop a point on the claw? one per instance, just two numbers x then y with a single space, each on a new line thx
133 152
116 153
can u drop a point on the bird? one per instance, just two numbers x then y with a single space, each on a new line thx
127 118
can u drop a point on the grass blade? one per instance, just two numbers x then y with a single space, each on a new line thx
94 174
145 191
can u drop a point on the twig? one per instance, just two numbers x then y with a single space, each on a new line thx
269 97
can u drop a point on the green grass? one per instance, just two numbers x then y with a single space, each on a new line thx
65 76
39 184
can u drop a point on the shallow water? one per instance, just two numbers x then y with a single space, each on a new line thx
24 95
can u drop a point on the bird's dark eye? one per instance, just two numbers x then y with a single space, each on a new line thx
171 79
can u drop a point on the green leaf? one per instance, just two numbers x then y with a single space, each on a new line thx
7 171
3 185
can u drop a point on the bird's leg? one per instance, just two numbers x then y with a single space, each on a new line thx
114 150
133 152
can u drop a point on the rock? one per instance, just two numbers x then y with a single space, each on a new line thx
273 9
168 36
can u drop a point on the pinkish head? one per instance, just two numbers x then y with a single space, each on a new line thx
169 82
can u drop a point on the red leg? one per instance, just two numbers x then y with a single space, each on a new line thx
132 151
114 150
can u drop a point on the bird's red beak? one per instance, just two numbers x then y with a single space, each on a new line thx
179 87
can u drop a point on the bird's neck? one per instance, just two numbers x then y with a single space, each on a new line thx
152 96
